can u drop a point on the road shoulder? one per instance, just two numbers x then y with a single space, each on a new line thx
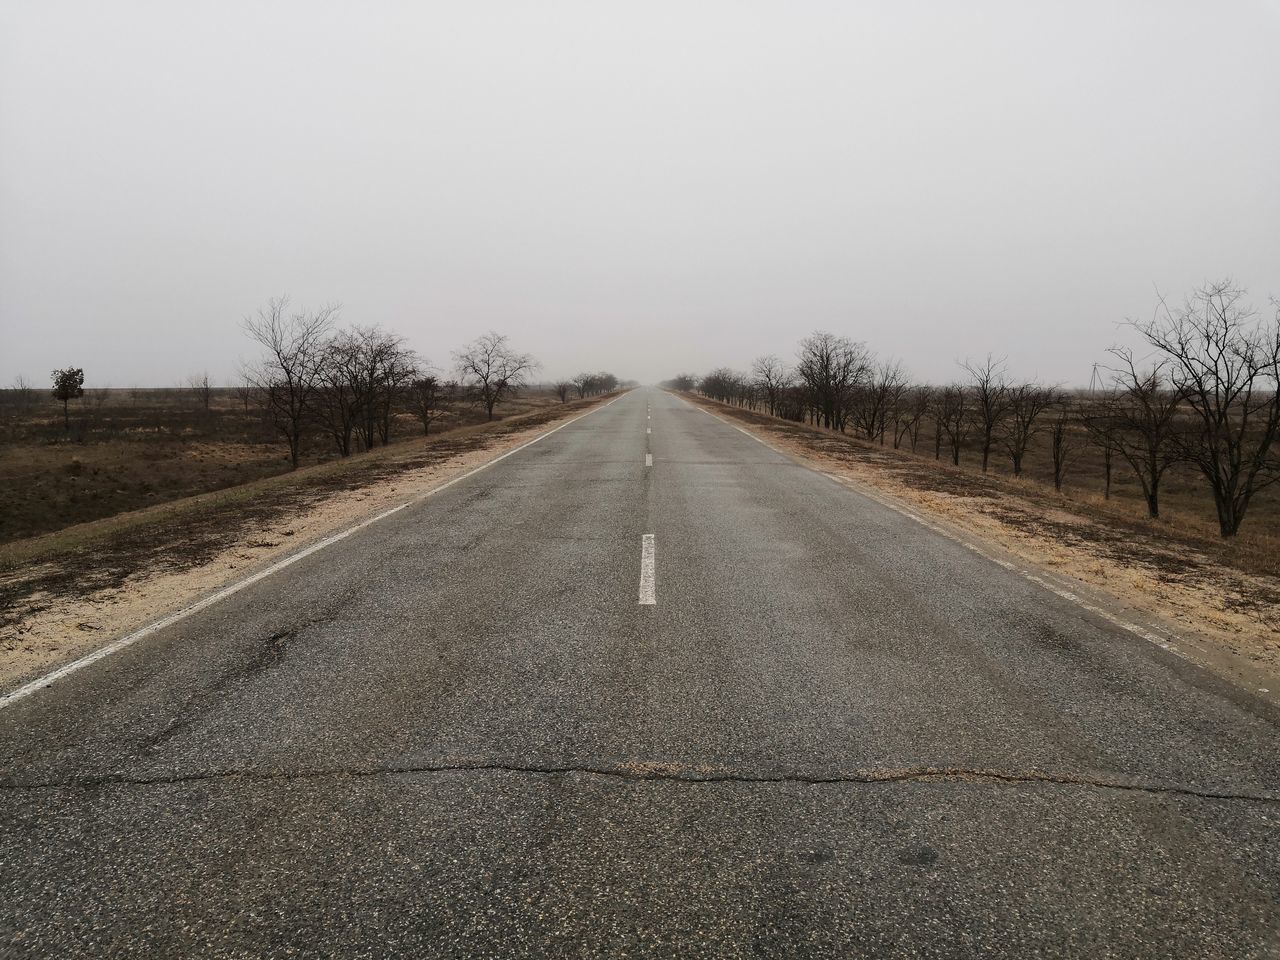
1223 619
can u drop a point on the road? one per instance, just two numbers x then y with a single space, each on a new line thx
460 732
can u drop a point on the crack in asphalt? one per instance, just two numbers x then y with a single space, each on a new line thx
640 772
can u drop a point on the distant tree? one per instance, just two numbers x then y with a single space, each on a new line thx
1062 448
771 379
68 385
245 393
288 376
1138 417
723 384
953 417
1101 431
830 367
990 399
492 371
1024 404
910 414
1225 365
589 384
877 397
202 388
23 394
334 404
431 399
562 388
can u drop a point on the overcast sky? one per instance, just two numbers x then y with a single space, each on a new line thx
644 187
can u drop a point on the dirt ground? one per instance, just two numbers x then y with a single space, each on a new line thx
64 594
1172 574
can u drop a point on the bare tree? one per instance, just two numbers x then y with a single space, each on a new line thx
990 399
722 384
334 405
288 376
1062 447
910 415
23 394
492 371
562 388
431 399
399 368
877 397
1024 404
830 367
245 393
1138 419
1225 364
771 379
202 388
1094 415
953 418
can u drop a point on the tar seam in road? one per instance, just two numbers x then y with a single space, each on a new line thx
663 773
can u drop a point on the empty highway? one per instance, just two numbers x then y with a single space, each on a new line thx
644 688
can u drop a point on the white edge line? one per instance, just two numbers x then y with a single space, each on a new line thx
115 646
1138 631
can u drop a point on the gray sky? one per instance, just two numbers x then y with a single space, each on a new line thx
645 187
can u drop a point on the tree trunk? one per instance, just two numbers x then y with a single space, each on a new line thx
1152 495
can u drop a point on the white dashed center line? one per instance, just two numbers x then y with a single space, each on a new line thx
647 591
648 459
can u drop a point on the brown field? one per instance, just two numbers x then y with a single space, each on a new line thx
129 449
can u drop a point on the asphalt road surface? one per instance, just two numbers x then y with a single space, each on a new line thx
578 706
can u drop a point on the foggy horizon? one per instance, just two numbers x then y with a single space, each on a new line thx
648 190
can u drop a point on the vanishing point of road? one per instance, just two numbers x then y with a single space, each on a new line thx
643 688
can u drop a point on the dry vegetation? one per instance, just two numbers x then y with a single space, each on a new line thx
129 449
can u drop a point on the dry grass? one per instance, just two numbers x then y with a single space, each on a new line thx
130 449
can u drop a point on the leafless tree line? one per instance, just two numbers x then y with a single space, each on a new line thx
350 383
1207 393
586 385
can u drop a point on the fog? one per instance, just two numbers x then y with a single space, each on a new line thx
647 188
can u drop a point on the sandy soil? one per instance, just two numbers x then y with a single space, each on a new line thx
49 630
1211 608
